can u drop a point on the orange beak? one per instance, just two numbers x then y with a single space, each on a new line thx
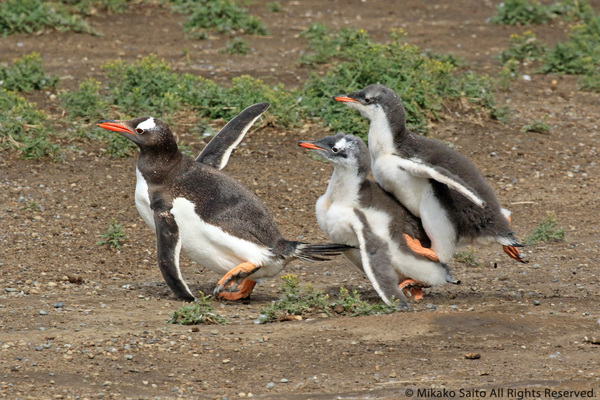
345 99
309 145
114 126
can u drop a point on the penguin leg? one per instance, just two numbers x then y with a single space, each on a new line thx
415 246
235 285
412 288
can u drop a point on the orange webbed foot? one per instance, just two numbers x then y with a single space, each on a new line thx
513 252
415 246
412 289
235 285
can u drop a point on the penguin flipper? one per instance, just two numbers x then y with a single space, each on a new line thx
441 175
168 247
377 263
217 151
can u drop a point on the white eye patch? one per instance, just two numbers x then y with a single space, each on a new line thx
341 144
147 124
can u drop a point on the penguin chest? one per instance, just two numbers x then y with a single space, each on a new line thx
211 246
394 178
336 220
142 199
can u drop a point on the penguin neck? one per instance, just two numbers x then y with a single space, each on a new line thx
344 184
385 132
154 164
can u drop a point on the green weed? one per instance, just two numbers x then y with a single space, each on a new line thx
22 127
579 55
32 206
30 16
114 236
467 257
536 126
298 302
525 12
25 74
423 83
222 16
86 103
274 6
546 231
524 47
236 45
199 312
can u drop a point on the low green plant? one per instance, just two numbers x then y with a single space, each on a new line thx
237 45
32 206
274 6
87 7
525 47
222 16
546 231
113 237
25 74
525 12
521 12
537 126
86 103
423 83
467 257
199 312
23 127
298 302
30 16
578 55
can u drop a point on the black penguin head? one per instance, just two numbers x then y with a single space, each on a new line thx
341 150
376 102
146 132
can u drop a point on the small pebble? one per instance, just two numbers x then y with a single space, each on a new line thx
270 385
128 357
59 305
472 356
536 303
283 380
42 312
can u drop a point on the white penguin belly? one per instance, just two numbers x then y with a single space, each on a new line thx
407 188
209 245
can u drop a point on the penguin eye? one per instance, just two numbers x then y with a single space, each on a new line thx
139 130
368 100
335 149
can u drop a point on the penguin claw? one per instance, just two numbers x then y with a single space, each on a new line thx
513 252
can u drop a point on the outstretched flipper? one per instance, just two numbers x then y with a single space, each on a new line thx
235 285
442 175
168 247
217 151
377 263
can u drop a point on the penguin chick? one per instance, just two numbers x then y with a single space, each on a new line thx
358 212
435 183
194 207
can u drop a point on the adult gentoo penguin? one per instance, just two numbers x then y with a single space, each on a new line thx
358 212
436 183
194 207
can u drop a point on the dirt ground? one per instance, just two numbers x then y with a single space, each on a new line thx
85 321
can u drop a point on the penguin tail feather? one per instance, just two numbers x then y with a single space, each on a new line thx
319 252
